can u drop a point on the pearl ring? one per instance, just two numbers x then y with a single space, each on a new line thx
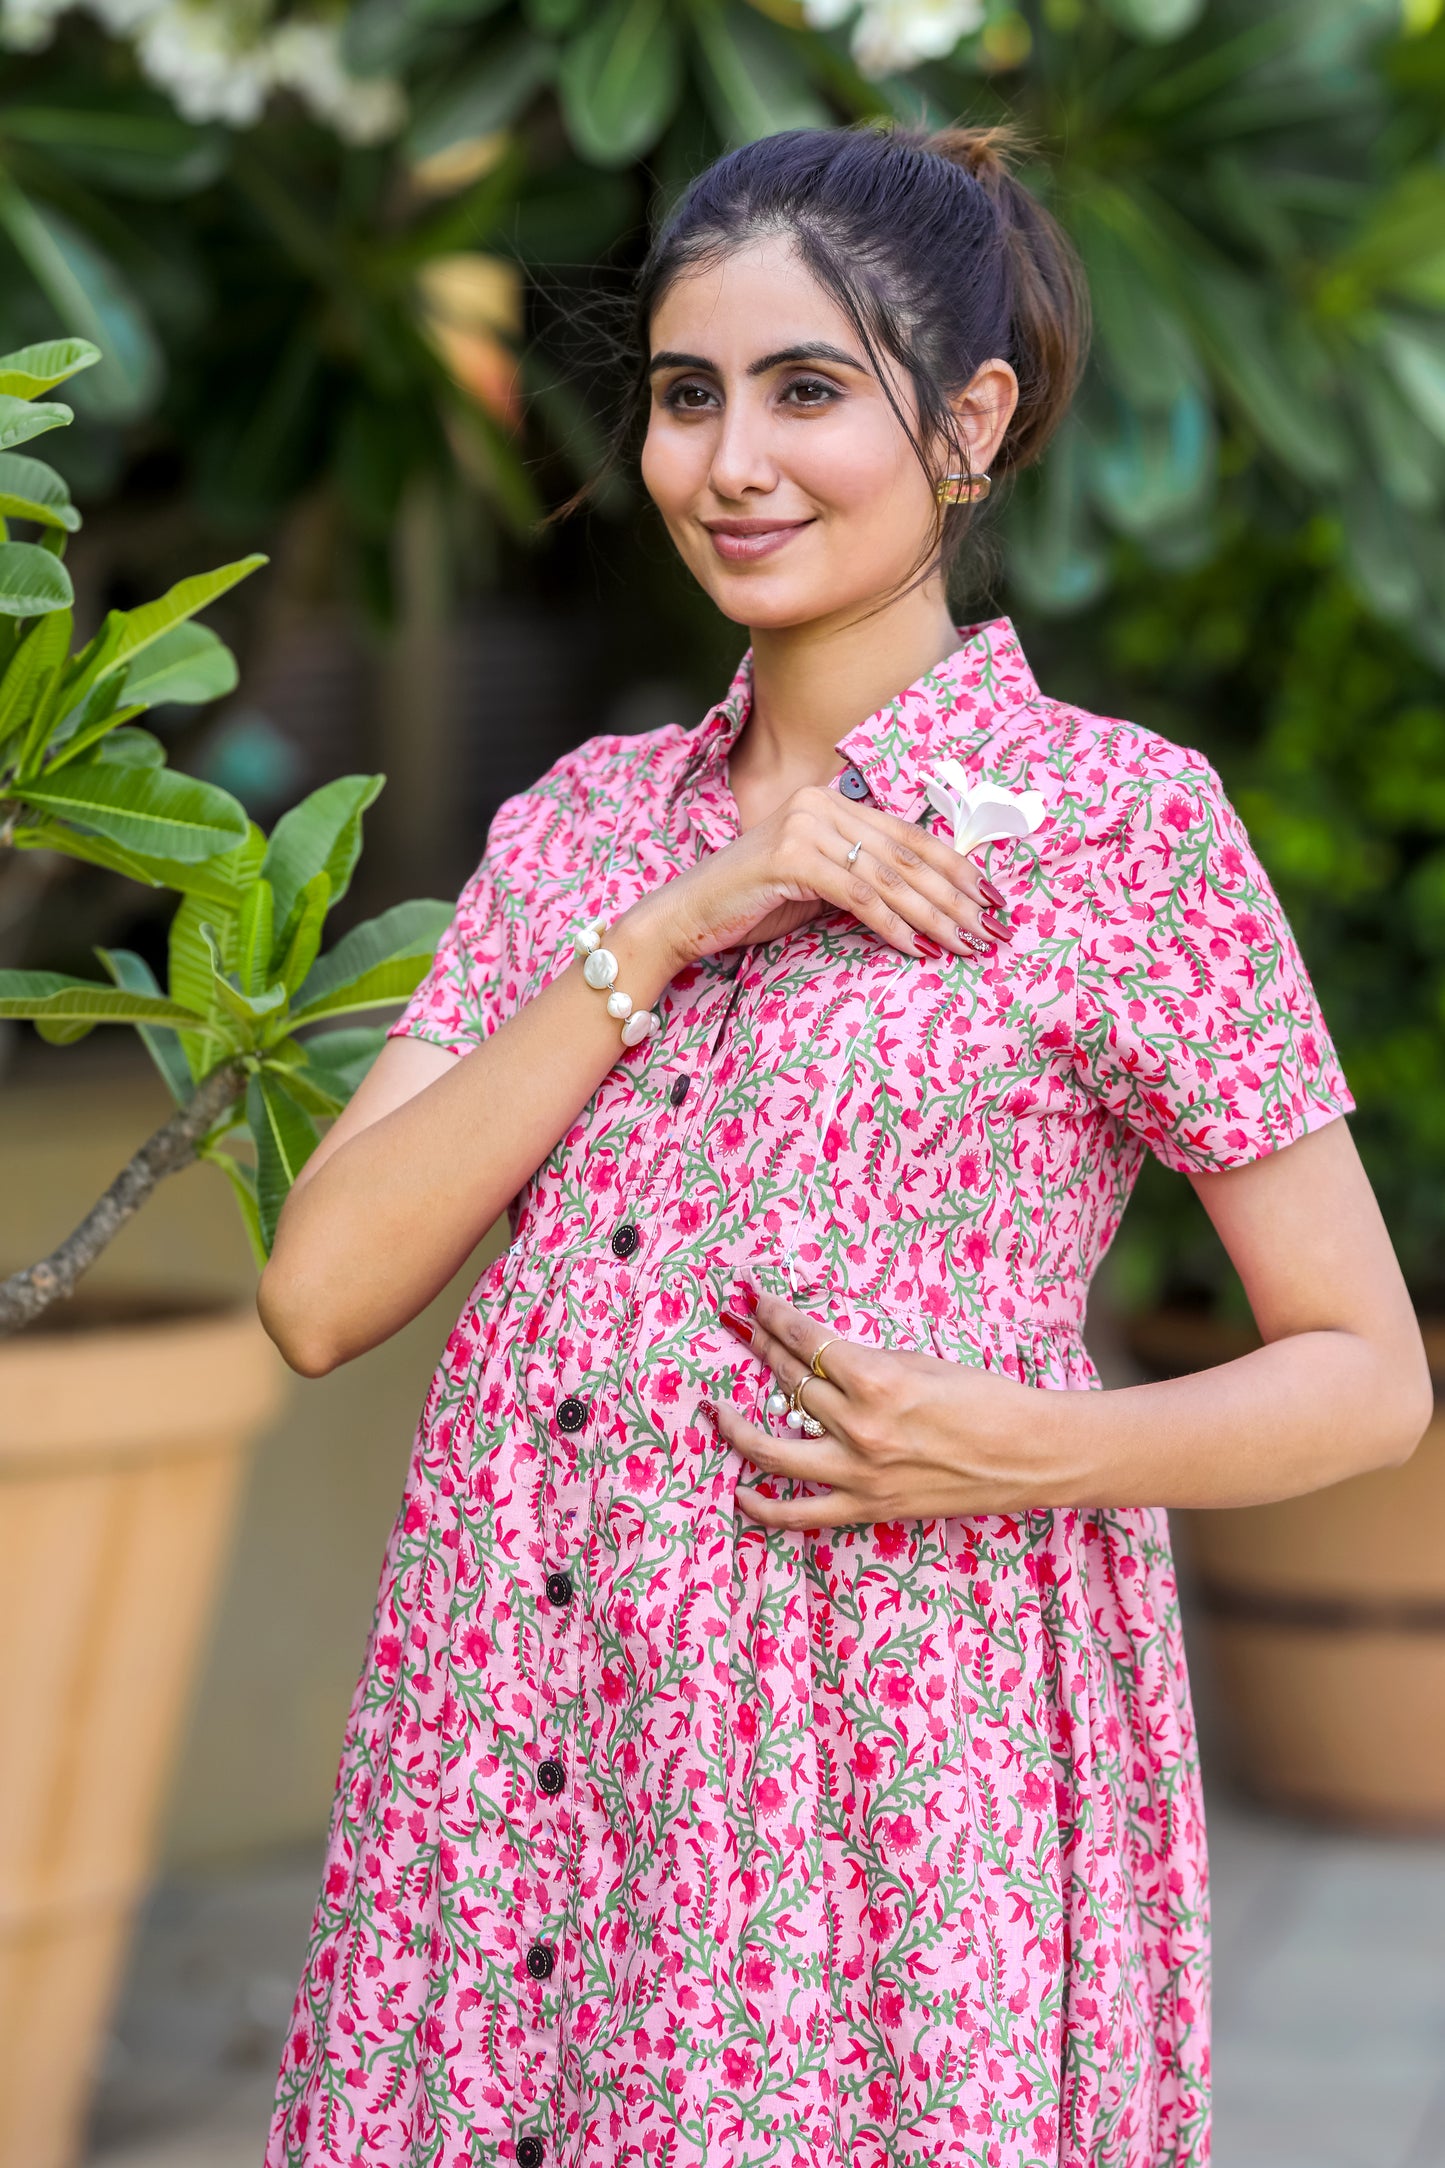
853 854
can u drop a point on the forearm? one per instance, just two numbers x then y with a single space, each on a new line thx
366 1241
1305 1411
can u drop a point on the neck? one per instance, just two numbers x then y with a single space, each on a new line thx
814 683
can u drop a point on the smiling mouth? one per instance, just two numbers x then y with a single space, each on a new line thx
743 541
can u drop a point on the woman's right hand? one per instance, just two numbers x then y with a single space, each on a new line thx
907 886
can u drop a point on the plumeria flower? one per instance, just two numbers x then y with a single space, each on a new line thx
891 36
981 812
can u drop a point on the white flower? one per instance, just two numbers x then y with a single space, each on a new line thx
894 35
27 25
306 57
981 812
827 14
208 60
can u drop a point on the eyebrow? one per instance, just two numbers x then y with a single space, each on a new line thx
816 351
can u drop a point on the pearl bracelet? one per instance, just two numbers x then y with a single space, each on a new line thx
599 969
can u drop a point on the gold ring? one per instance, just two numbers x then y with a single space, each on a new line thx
817 1363
811 1426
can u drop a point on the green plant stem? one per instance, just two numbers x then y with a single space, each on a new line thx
24 1295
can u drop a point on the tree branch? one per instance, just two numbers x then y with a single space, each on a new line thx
25 1294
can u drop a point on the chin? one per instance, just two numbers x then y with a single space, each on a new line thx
773 606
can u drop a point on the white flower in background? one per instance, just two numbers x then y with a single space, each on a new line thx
893 35
981 812
26 25
306 58
208 60
122 18
221 59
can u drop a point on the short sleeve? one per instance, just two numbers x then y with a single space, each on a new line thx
1197 1025
471 985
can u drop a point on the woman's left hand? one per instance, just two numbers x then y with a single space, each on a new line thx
908 1437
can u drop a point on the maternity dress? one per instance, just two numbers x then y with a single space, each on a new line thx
662 1840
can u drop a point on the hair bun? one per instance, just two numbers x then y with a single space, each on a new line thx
985 154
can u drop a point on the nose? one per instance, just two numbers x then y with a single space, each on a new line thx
742 461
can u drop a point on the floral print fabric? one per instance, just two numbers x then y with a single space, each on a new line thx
661 1839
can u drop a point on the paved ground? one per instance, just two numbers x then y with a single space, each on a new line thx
1329 1983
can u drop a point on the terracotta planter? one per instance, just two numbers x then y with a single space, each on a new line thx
1325 1620
121 1450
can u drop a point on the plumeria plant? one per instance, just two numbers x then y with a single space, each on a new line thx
235 1032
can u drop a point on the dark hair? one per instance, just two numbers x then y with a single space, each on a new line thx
937 254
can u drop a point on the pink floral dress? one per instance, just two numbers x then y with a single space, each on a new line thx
664 1840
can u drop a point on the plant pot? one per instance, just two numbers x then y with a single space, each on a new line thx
1324 1618
121 1449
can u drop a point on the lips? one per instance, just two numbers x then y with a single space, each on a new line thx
743 541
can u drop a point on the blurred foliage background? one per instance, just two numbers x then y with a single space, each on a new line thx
353 270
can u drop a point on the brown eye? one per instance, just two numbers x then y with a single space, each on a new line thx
811 391
688 398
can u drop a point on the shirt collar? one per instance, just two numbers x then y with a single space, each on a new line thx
950 710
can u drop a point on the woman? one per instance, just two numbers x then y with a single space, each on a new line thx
724 1788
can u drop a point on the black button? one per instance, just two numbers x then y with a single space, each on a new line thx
853 784
529 2153
559 1588
572 1414
625 1240
551 1777
681 1085
540 1960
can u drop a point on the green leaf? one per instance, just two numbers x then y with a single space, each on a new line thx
187 666
31 670
130 748
57 998
1400 246
379 961
308 1091
338 1060
32 581
254 929
31 370
31 490
285 1137
1266 374
1415 357
320 835
24 418
308 922
143 809
483 96
1054 553
247 1010
243 1185
129 632
619 80
134 974
1156 20
1141 340
202 880
190 969
753 80
87 290
130 145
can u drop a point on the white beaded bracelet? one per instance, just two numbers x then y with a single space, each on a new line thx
599 969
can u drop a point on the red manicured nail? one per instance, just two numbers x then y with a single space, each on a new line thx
746 1301
925 947
737 1328
994 926
992 894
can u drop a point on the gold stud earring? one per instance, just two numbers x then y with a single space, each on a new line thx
975 488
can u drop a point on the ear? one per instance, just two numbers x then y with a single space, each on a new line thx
983 410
